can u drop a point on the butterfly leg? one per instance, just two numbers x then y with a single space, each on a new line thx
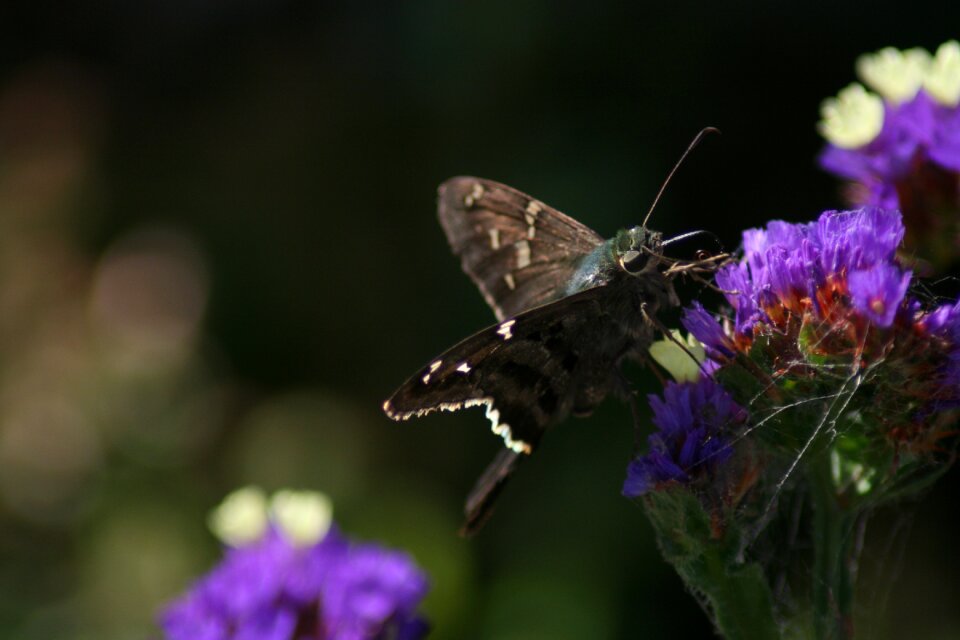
479 505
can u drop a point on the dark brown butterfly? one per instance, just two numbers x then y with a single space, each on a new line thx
571 308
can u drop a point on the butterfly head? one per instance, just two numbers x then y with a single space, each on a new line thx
637 250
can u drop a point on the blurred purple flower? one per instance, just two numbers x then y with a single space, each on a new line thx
331 590
912 163
915 131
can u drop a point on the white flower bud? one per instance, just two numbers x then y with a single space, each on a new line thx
942 81
304 517
241 518
852 119
896 75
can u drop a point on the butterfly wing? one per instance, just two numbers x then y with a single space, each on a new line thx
520 252
527 372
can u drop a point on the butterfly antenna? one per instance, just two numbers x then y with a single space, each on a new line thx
693 145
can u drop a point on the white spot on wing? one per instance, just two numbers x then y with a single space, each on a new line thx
505 329
494 238
530 216
426 378
533 209
470 199
508 278
523 254
464 367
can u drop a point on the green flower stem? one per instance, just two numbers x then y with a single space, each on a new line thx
834 559
739 597
708 561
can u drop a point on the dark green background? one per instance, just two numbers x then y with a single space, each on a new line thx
296 147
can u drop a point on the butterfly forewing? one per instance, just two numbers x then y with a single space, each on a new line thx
520 252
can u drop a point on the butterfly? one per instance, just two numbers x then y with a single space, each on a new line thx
571 307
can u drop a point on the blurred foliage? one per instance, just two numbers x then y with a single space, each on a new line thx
218 254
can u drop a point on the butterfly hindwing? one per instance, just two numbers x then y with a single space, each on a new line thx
520 252
523 370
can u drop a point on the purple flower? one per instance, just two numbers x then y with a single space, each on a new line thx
273 590
945 319
708 331
695 421
945 141
738 288
847 240
878 291
373 585
943 323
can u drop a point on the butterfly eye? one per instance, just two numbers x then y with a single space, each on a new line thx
633 261
702 254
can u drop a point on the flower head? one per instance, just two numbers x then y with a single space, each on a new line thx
825 307
695 421
805 272
281 587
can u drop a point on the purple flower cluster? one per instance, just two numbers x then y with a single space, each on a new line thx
331 590
834 289
695 421
846 259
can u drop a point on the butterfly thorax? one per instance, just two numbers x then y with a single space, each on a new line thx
632 253
628 269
